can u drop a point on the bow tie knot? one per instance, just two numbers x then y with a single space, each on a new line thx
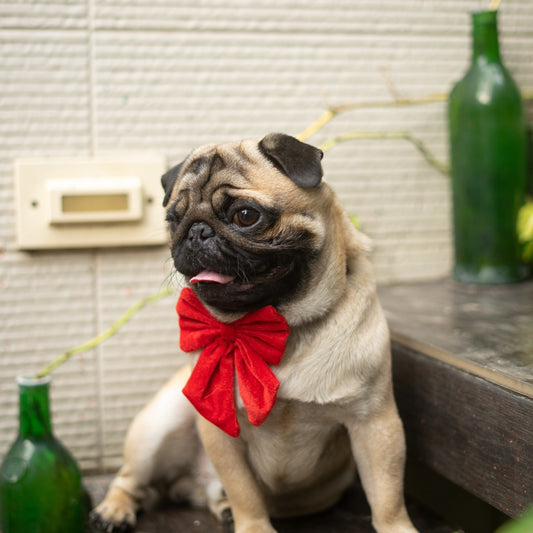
244 348
228 332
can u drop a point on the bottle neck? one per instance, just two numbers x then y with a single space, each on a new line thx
34 408
485 47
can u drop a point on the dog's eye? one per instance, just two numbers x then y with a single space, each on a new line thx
246 217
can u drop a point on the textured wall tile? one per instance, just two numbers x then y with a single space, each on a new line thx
44 105
46 300
144 353
43 14
46 307
343 16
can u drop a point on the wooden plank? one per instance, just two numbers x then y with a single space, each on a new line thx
473 432
486 330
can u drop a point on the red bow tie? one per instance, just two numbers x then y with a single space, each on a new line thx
246 347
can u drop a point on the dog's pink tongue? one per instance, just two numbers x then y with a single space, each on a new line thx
213 277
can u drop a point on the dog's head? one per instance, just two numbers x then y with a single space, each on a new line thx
244 220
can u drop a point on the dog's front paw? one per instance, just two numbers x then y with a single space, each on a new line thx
109 525
400 526
116 514
256 527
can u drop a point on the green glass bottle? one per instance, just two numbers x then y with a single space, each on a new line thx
488 163
40 483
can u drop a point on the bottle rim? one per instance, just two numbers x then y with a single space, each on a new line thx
32 381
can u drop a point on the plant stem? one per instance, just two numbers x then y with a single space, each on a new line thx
317 125
397 102
419 145
105 335
333 111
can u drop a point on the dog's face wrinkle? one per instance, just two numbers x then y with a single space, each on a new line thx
202 167
251 238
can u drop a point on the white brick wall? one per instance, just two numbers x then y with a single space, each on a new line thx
84 77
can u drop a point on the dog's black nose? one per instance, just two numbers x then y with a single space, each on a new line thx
200 231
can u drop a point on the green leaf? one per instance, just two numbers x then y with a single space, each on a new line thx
355 221
523 524
525 229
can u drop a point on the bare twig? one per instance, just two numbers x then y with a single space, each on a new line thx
406 136
317 125
333 111
392 89
400 102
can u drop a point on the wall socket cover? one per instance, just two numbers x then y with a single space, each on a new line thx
90 203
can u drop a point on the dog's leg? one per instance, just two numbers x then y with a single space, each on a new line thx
227 454
161 445
379 449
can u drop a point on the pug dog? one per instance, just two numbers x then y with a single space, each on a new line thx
254 229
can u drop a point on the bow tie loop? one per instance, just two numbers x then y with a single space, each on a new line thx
244 348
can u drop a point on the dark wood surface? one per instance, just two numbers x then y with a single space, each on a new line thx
485 330
463 365
351 514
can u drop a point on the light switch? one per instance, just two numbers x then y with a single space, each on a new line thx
80 203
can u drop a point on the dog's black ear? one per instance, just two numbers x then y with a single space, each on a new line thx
168 180
300 161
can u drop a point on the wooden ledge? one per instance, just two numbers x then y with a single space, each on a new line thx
463 376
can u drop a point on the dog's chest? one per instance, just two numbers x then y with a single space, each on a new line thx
297 446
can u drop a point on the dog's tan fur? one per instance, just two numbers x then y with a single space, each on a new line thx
335 407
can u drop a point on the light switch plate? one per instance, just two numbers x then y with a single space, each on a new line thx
44 222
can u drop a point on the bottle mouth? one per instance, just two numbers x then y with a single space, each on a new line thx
32 381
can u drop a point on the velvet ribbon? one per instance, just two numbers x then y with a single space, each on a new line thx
245 348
